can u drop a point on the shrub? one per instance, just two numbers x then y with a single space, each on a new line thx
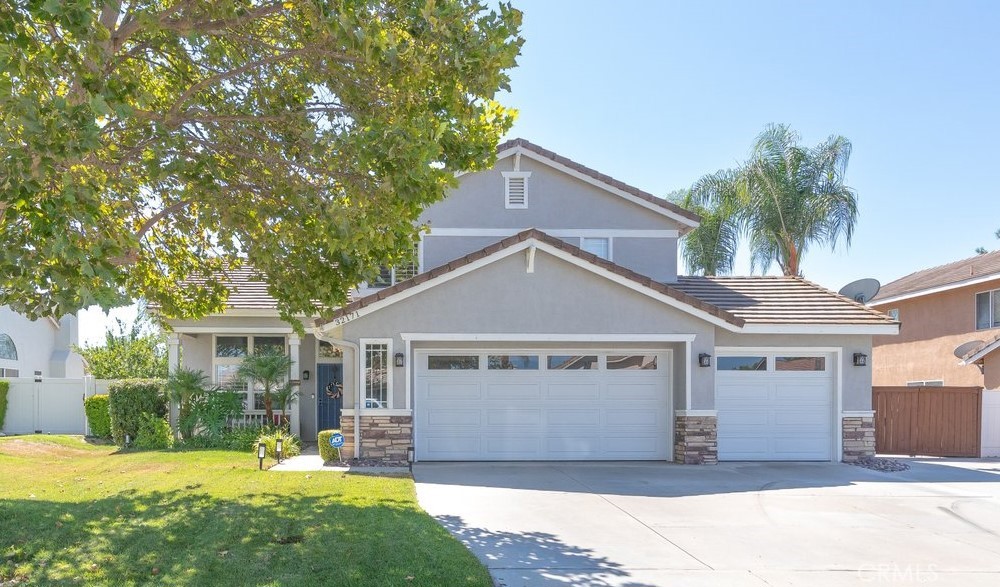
186 387
98 416
325 450
244 438
4 388
212 411
128 400
290 446
154 433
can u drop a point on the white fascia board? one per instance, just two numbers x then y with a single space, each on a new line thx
607 187
720 350
934 290
516 248
820 329
232 329
525 337
558 232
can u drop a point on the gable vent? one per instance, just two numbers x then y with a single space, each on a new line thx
516 188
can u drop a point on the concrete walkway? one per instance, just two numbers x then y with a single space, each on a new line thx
741 525
310 460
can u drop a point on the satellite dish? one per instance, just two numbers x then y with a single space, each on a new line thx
964 348
862 290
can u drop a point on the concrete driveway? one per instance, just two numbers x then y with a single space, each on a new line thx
636 524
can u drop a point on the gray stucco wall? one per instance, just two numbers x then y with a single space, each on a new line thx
41 346
196 352
555 200
558 298
857 381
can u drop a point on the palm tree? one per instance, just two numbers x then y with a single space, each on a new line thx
269 369
711 248
184 387
784 198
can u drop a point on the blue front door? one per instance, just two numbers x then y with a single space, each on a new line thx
329 383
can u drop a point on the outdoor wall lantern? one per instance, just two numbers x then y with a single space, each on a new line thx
704 360
860 359
277 449
305 375
261 453
399 359
38 376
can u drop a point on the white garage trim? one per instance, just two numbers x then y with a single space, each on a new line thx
655 437
836 370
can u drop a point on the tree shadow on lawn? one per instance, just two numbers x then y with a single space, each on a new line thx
191 538
532 554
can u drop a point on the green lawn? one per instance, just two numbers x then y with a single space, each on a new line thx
73 513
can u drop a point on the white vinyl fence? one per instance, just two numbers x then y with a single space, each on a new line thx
991 424
53 406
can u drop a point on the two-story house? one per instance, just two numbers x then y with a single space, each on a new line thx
545 320
942 309
42 348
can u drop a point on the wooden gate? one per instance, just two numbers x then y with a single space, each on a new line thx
933 421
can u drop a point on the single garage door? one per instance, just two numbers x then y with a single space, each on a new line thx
541 405
775 407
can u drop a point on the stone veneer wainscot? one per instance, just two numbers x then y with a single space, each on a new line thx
382 437
858 437
696 440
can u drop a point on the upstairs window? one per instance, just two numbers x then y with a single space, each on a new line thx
7 349
988 309
516 189
392 275
600 247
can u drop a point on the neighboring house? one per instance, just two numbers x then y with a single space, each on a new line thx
545 320
43 347
941 309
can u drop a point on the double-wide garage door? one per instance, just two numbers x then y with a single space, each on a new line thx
775 406
541 405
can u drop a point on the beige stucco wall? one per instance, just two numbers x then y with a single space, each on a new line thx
931 327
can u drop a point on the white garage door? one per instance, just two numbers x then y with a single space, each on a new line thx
541 405
775 407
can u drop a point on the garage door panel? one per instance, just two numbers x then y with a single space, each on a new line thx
543 414
437 389
455 417
633 417
632 391
573 391
574 417
514 417
513 391
768 415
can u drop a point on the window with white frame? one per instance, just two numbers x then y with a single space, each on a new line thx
516 189
8 357
388 276
229 352
893 313
377 371
988 309
600 247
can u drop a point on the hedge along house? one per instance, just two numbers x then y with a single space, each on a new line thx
545 320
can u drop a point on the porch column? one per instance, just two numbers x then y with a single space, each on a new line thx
173 364
294 345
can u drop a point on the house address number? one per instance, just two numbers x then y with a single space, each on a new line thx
344 319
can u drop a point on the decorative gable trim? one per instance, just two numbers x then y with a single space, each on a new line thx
515 189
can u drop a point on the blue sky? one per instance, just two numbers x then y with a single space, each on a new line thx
658 93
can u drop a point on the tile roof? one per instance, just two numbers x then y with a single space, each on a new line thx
245 293
533 233
950 274
780 300
524 143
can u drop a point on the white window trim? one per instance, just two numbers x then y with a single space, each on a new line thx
507 176
418 260
975 309
251 391
363 344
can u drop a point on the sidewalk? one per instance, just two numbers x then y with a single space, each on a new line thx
310 460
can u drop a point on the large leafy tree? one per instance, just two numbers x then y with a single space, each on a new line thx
151 143
783 199
138 350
